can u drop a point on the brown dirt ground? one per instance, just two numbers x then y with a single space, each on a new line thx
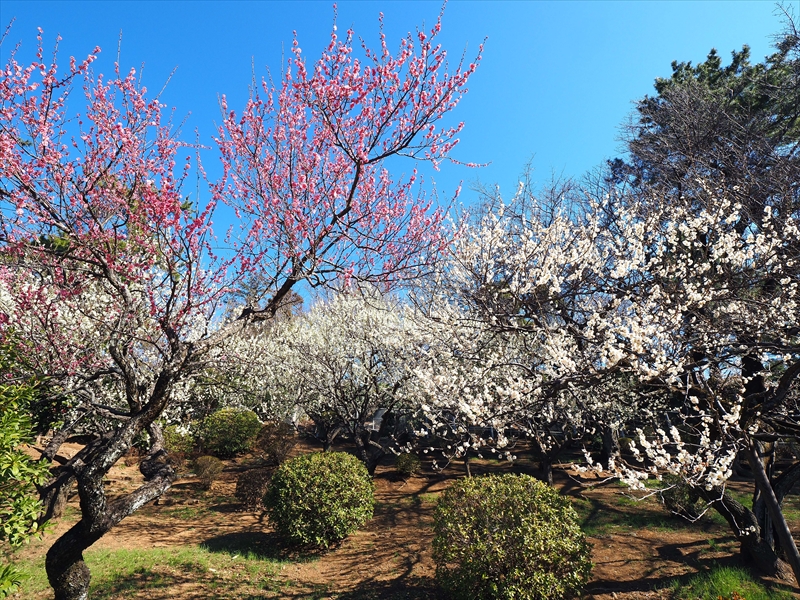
634 557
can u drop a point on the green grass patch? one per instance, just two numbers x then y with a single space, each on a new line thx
791 508
628 501
653 484
627 514
743 498
722 583
185 513
429 498
162 573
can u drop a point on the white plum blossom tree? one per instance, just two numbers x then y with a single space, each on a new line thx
721 292
679 321
529 336
351 359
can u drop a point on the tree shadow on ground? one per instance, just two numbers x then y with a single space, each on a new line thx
228 507
404 588
599 516
135 585
691 553
258 544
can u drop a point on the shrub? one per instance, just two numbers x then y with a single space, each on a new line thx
10 580
510 537
228 432
251 486
319 499
178 441
680 498
207 469
407 464
275 441
626 445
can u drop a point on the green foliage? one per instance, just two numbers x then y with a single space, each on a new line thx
725 583
218 569
176 441
743 134
680 498
747 89
319 499
229 432
407 464
10 580
274 442
207 469
510 537
141 443
625 444
19 473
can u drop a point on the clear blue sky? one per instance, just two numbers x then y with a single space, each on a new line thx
556 81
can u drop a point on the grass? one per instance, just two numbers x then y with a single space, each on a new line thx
726 583
791 508
624 500
599 519
430 498
149 573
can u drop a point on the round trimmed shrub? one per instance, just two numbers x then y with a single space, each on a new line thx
680 498
229 432
207 469
509 537
177 441
407 464
318 499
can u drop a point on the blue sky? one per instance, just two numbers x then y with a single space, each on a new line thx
556 81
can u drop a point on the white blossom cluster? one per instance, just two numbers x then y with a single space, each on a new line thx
676 327
648 320
100 344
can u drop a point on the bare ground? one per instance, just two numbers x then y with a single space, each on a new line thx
638 548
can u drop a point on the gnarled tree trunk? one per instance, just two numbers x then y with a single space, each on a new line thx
745 527
66 570
369 451
775 513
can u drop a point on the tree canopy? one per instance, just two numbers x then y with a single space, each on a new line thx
109 273
737 125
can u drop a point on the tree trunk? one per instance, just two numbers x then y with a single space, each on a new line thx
66 570
766 452
781 527
610 446
550 456
781 485
55 495
369 452
547 470
467 468
786 481
331 434
741 467
744 525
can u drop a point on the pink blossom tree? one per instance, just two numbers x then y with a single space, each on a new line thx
303 163
107 273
